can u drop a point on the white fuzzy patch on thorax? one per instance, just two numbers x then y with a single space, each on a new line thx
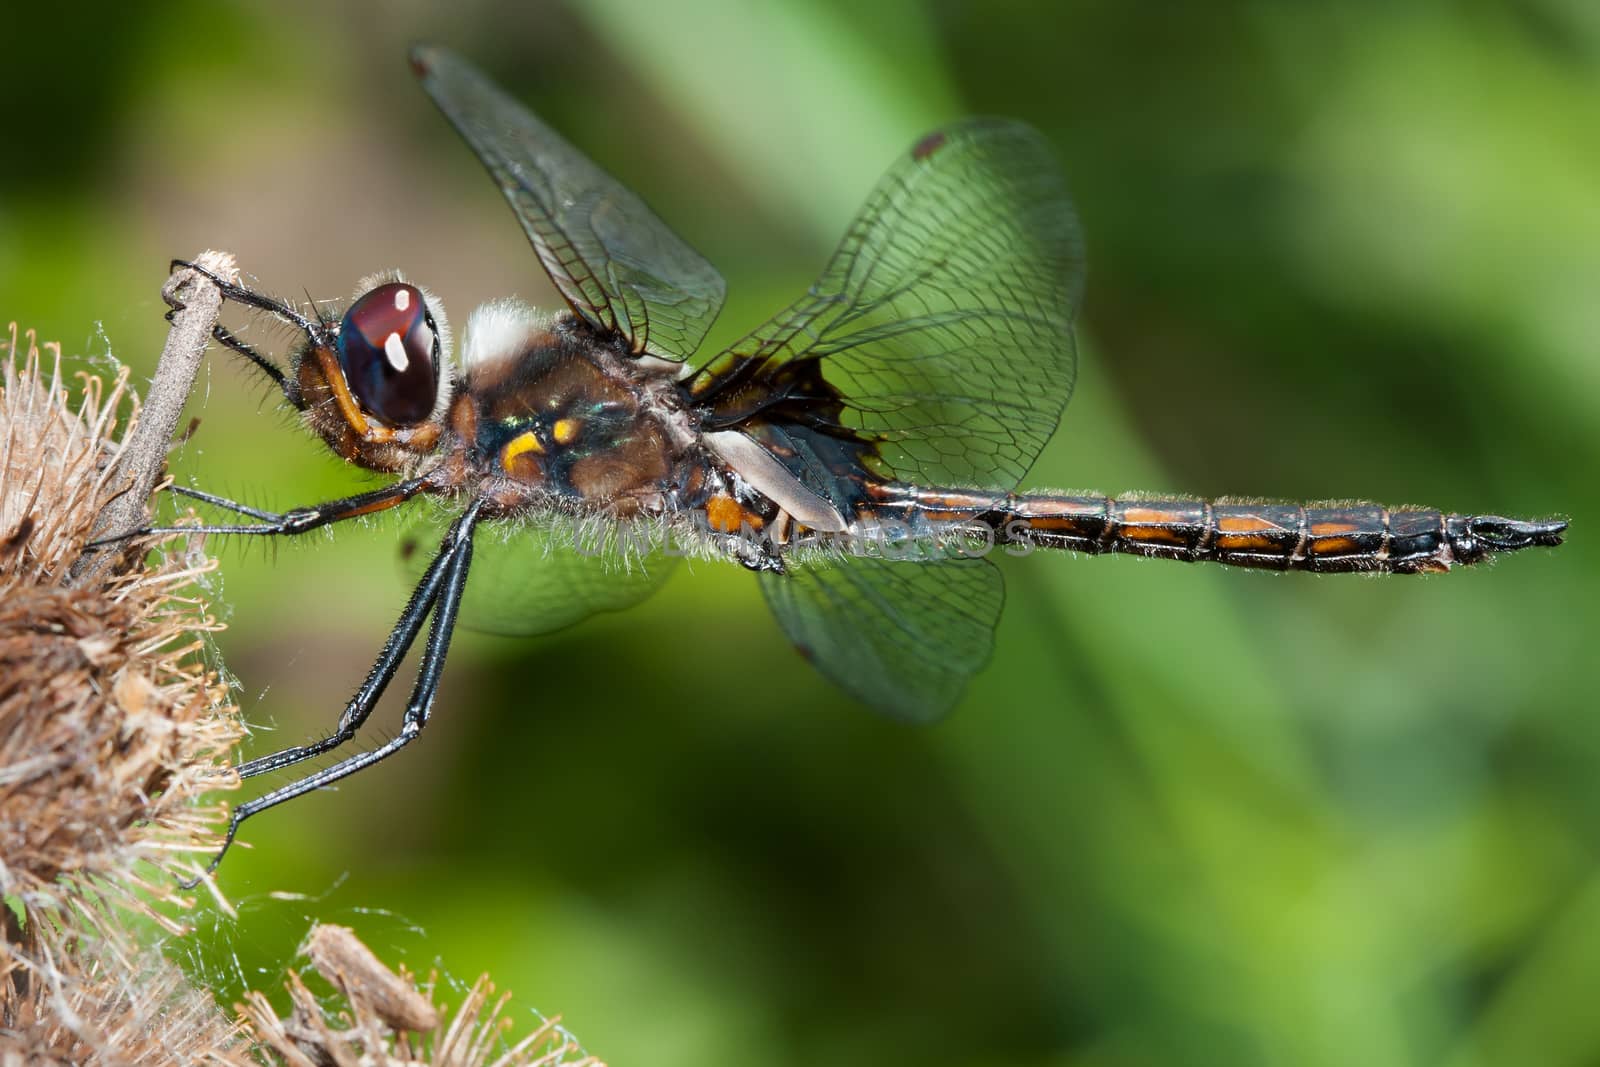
501 329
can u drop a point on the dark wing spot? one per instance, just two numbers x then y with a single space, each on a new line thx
928 146
408 548
806 653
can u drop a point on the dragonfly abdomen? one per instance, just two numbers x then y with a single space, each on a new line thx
1327 538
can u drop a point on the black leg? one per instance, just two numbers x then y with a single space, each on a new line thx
287 523
440 590
240 295
383 671
223 502
287 385
315 329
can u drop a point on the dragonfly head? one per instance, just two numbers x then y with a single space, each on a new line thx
377 382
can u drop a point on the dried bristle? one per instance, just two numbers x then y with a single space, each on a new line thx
111 726
97 1000
110 729
366 1030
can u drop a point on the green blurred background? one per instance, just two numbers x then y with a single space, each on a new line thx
1188 815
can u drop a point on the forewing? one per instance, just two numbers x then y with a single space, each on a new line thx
535 579
617 264
943 322
901 636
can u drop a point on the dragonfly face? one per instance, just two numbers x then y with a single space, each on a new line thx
860 452
374 384
390 354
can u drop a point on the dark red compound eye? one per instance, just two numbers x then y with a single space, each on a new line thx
389 350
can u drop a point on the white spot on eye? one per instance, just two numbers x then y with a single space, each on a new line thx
402 299
395 349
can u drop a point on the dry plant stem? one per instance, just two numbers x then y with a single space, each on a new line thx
336 952
142 460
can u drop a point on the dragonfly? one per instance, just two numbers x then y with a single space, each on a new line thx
860 453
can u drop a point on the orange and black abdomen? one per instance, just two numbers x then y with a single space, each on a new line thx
1327 538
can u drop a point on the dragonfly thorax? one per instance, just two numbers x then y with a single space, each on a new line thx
551 408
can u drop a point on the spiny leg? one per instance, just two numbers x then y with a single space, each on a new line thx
383 670
287 523
314 328
441 590
224 503
249 297
287 385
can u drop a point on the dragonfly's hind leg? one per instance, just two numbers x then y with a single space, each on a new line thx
439 592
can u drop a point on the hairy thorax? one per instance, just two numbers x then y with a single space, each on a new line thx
572 424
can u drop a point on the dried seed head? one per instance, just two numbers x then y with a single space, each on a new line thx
111 726
96 1000
388 1020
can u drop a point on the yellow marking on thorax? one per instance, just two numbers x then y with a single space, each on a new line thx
565 431
520 445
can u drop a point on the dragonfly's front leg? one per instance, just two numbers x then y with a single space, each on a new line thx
316 330
286 385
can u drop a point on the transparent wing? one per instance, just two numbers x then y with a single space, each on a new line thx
617 264
940 333
901 636
537 579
